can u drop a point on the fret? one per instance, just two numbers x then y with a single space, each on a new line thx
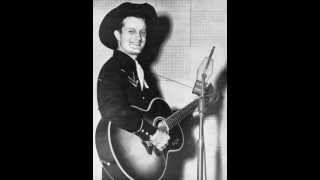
176 117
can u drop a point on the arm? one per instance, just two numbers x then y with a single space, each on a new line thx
114 105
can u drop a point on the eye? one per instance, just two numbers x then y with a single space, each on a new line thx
131 31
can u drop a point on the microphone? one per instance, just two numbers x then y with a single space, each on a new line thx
197 86
210 55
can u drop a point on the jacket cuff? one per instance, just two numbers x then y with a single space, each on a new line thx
145 131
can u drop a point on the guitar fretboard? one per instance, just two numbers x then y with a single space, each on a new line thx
176 117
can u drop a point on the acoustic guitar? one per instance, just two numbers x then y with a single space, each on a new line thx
125 156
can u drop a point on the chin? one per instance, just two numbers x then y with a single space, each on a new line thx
135 51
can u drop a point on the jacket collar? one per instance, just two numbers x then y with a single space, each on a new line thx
126 62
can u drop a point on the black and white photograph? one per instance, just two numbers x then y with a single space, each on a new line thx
159 89
139 90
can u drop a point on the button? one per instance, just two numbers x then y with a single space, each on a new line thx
147 133
143 97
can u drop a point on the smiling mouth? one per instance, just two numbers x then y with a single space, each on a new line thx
136 44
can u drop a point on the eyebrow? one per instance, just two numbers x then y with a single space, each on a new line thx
144 29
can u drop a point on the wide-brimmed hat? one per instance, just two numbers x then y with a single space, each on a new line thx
113 19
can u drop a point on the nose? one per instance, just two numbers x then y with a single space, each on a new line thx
138 36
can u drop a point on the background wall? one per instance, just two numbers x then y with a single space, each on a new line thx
196 25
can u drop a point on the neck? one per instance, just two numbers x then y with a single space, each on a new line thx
133 56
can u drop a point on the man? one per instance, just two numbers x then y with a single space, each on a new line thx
121 83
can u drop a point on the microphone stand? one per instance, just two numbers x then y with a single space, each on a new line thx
201 168
201 150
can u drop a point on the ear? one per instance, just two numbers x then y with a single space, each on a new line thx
116 34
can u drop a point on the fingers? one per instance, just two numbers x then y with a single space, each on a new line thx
161 147
160 136
163 126
160 140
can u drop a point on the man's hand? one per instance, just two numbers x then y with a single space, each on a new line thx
161 137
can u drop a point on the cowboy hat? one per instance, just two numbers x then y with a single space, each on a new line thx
112 20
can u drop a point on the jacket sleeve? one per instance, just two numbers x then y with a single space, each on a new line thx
114 106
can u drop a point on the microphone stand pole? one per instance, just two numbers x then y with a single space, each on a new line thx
201 150
201 171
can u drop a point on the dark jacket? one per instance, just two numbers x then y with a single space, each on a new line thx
118 88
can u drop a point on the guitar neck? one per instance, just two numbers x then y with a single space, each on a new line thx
176 117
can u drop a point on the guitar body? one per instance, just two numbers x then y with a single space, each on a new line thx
125 156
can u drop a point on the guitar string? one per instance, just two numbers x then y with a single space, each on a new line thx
173 118
176 117
179 115
171 124
183 113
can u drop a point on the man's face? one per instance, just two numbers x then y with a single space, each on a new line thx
132 38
